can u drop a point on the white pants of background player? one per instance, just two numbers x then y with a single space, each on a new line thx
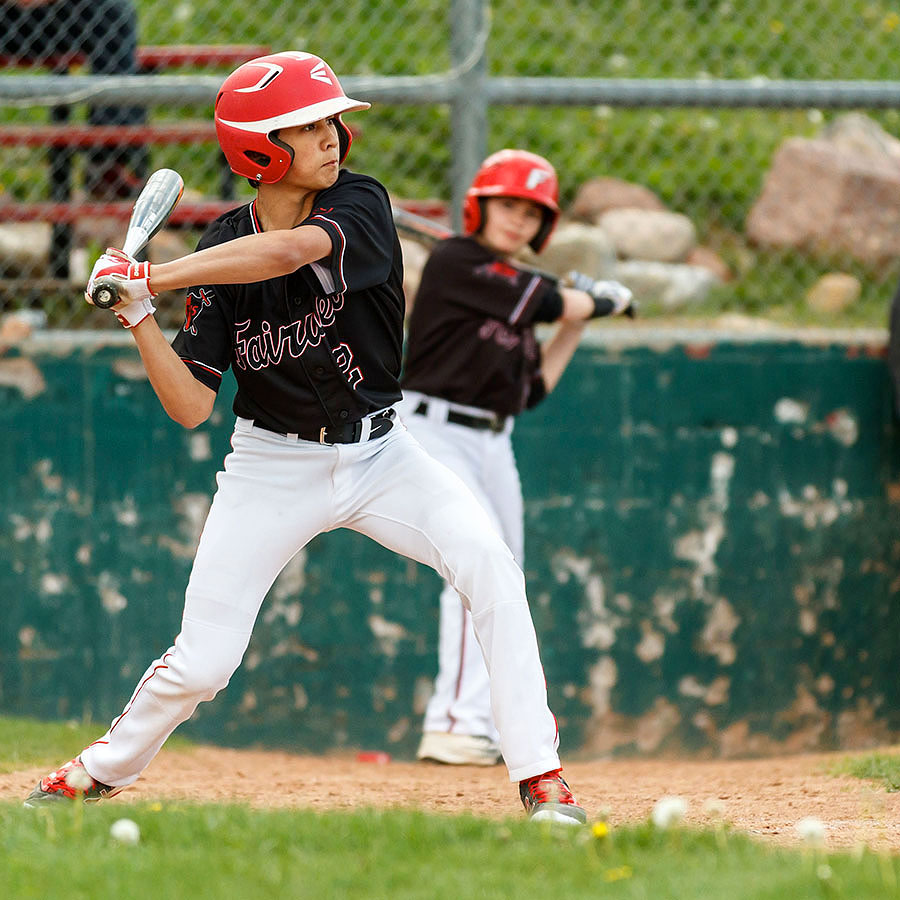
276 494
484 460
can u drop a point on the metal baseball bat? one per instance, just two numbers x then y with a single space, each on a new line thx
423 229
151 211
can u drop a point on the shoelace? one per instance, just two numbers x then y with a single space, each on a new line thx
548 787
57 782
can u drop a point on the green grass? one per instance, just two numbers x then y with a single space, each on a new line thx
28 742
215 851
881 767
231 851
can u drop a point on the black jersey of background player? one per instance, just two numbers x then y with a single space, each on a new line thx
471 337
320 346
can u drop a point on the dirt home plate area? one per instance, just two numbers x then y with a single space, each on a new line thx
764 798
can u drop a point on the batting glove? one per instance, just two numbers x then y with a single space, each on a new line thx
611 298
133 281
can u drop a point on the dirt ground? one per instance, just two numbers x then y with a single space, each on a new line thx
764 798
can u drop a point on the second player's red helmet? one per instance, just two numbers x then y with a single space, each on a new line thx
272 92
514 173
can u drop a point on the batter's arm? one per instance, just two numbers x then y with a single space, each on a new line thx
558 352
578 306
254 257
186 400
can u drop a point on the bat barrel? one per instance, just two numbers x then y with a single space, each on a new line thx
151 211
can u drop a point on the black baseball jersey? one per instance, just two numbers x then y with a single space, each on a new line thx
471 331
320 346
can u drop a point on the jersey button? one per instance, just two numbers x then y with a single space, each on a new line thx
320 370
344 413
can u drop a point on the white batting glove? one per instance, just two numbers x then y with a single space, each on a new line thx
133 281
621 297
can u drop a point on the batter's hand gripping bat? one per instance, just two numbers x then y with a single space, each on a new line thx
422 229
151 211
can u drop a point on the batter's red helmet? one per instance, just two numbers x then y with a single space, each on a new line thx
514 173
273 92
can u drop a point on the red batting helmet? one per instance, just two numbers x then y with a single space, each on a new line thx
514 173
273 92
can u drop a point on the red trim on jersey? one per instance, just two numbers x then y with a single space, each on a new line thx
200 365
343 247
254 218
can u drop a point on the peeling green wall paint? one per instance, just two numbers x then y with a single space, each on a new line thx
712 555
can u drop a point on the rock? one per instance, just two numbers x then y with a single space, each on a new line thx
833 293
599 195
573 245
649 234
25 249
839 192
858 134
709 259
673 285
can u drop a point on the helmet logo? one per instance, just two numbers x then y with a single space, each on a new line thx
536 177
272 73
318 73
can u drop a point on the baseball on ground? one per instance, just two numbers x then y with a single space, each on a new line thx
125 831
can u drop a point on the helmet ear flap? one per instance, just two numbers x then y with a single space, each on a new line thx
345 139
539 241
473 213
276 140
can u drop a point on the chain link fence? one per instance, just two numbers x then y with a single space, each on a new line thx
788 212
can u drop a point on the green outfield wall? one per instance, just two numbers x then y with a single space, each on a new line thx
712 543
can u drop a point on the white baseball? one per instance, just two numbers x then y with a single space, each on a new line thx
79 780
125 831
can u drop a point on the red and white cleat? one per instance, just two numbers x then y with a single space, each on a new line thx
547 798
69 782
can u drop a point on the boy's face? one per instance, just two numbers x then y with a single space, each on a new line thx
316 154
510 223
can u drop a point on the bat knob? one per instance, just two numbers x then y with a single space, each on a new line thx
105 294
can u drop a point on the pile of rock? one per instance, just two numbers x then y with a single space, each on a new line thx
837 193
616 229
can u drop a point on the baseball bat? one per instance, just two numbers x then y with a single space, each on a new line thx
422 229
151 211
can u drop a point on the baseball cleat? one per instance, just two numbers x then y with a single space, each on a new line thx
66 783
547 798
458 749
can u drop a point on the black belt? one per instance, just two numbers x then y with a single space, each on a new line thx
479 423
349 433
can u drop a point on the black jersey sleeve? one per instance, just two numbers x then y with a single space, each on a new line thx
204 340
356 213
550 306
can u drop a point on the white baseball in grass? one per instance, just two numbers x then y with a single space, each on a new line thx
79 780
125 831
668 811
811 829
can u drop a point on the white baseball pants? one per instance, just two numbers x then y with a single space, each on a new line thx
484 460
276 494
